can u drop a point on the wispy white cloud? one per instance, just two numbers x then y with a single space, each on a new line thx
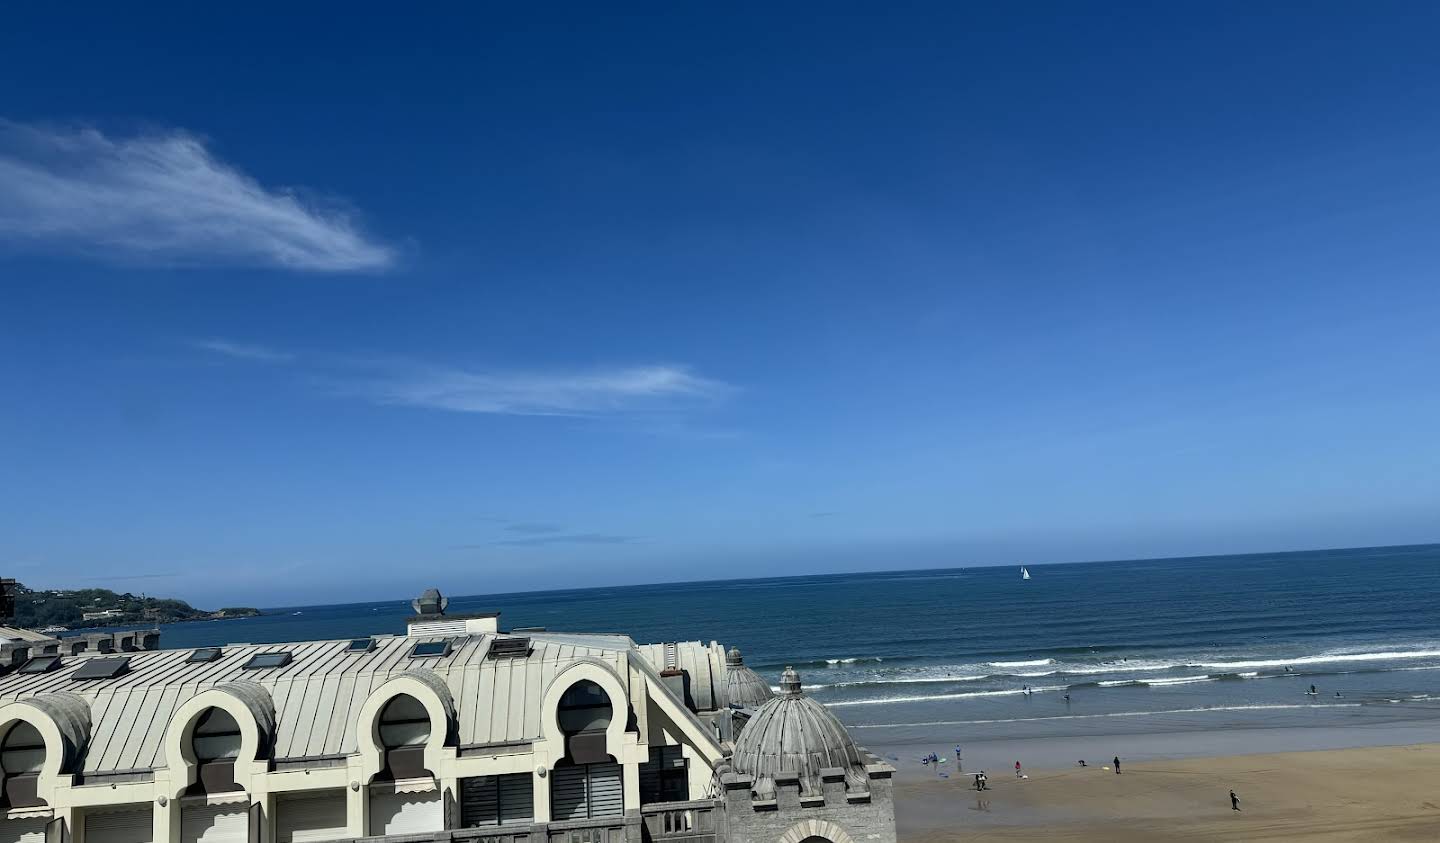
165 197
660 391
244 351
594 392
574 538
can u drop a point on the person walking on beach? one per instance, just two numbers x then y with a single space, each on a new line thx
1234 801
1117 765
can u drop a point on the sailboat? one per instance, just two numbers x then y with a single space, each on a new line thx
1024 574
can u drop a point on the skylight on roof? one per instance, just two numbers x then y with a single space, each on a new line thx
427 649
40 664
262 661
204 654
102 668
361 645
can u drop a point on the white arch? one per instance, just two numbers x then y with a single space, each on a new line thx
179 752
367 727
601 674
20 711
815 828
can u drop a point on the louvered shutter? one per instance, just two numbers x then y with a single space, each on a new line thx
22 831
517 798
310 817
497 800
228 823
587 790
133 825
406 813
567 794
606 790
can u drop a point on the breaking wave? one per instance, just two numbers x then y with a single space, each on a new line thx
1198 710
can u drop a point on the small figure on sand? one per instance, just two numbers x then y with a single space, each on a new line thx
1117 765
1234 801
981 781
1082 762
1017 770
957 756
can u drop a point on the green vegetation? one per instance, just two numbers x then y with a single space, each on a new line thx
38 609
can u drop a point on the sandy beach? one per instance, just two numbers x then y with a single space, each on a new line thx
1382 793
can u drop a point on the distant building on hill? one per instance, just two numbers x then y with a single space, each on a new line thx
104 614
454 731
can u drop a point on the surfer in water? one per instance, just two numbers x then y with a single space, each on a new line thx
1313 692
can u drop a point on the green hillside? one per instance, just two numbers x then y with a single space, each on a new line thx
37 609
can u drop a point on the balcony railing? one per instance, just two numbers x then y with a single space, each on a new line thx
661 822
680 822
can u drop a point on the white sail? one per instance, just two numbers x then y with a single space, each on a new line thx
1024 574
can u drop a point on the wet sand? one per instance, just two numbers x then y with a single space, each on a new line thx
1382 793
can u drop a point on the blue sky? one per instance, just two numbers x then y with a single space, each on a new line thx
322 304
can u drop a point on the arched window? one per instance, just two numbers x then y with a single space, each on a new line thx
215 743
22 754
404 730
584 707
404 722
217 737
23 750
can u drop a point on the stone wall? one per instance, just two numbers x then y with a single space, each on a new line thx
837 814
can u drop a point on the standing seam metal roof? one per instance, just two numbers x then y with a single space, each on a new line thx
318 695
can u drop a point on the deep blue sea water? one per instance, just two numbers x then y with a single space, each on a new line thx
1146 645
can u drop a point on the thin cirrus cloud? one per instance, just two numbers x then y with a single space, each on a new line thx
573 538
592 392
164 197
612 391
244 351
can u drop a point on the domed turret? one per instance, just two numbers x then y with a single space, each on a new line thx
795 734
743 687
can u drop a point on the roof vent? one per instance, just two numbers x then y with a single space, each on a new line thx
430 604
509 648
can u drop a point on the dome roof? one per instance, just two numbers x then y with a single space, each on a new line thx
743 687
795 734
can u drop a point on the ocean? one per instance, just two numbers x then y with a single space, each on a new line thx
934 656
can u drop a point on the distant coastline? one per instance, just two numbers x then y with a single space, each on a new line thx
54 610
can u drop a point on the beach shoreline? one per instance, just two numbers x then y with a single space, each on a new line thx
1361 793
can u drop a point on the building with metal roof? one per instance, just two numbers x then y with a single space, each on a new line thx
452 729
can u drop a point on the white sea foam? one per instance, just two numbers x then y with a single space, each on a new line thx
1031 663
1176 680
1216 708
902 680
1327 658
1009 692
854 660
